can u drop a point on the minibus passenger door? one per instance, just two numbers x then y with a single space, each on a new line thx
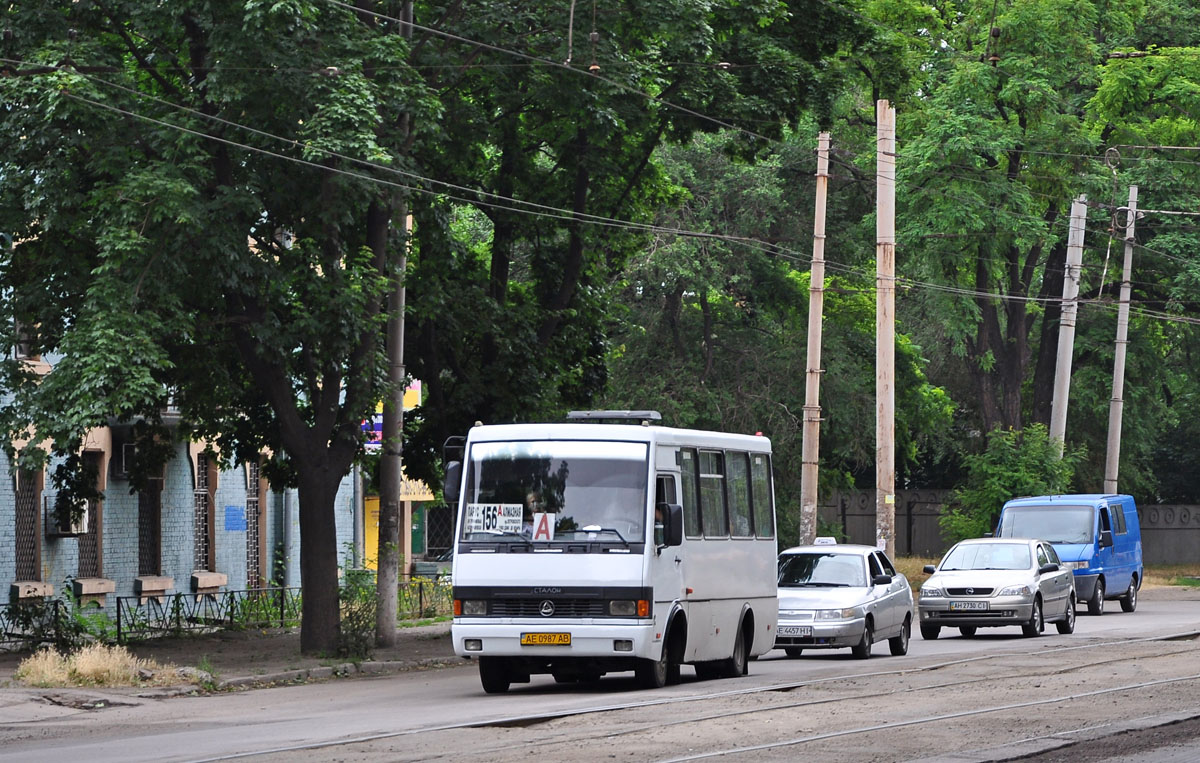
666 562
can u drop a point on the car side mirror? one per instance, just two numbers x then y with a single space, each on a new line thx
929 569
1047 568
452 482
1106 539
881 580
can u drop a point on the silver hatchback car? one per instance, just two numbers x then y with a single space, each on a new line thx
987 582
837 596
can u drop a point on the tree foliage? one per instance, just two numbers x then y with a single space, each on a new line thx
1015 463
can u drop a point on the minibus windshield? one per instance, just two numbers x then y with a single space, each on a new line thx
555 491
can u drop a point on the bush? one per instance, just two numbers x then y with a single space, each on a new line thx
1015 463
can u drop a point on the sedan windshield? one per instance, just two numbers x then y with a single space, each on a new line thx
1056 524
821 571
987 556
555 492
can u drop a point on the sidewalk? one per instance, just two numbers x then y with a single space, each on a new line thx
244 659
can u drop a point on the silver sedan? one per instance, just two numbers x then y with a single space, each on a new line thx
987 582
838 596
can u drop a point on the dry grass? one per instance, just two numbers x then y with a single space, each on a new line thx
93 665
1173 574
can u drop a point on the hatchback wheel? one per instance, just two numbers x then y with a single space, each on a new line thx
1036 623
899 644
1067 624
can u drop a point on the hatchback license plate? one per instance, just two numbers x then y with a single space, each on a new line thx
795 630
545 639
968 606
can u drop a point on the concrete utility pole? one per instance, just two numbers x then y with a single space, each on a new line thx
1116 405
885 329
391 475
811 443
1066 325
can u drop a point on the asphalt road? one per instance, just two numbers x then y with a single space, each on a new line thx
997 696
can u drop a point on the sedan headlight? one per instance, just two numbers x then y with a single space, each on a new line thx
849 613
931 592
1016 590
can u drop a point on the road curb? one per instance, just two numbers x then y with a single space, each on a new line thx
344 670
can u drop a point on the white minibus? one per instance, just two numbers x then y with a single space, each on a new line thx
611 543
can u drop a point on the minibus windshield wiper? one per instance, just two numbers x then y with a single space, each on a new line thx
598 529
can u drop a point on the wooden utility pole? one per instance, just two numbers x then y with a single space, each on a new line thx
1116 405
885 329
1066 324
811 443
391 474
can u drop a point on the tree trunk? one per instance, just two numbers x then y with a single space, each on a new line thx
1047 357
320 613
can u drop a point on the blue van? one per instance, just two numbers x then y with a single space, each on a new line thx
1096 536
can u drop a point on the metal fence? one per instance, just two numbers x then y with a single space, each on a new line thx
151 617
30 624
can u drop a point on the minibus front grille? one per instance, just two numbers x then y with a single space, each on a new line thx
506 607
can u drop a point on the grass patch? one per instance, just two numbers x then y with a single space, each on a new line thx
93 665
424 621
1173 574
912 567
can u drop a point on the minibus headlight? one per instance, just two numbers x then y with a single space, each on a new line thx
474 607
622 608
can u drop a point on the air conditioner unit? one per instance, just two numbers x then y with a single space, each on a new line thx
123 460
64 529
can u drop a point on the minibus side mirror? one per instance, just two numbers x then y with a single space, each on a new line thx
452 482
1106 539
672 525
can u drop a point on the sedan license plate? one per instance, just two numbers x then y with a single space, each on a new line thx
545 639
968 606
795 630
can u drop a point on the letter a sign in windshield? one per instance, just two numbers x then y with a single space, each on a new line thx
543 526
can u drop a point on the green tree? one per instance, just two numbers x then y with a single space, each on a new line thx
1015 463
714 336
167 252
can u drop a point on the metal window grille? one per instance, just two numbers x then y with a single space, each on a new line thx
90 543
150 529
27 525
201 509
253 571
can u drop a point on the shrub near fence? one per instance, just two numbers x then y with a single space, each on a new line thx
28 625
